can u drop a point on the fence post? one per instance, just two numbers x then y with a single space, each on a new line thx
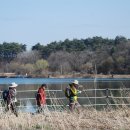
107 96
107 93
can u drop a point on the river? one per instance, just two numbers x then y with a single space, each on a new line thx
27 88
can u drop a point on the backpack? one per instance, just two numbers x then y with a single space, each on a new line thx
37 95
5 94
67 92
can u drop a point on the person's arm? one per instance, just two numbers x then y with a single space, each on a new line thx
78 91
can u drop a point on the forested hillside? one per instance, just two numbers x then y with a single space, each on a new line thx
109 55
68 56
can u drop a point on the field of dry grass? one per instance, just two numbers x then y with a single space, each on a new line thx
84 119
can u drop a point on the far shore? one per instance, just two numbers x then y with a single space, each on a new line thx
74 75
93 76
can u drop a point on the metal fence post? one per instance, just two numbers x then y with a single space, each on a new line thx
107 93
107 96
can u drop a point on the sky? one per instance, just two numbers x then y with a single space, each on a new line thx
43 21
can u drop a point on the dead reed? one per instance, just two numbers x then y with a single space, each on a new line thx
84 119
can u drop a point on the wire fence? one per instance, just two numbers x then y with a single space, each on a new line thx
122 98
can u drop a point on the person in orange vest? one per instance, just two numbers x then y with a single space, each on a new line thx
41 98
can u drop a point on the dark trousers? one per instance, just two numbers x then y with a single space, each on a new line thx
12 106
73 104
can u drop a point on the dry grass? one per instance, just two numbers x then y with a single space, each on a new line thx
85 119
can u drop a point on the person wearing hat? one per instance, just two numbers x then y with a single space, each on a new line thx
73 94
41 98
11 98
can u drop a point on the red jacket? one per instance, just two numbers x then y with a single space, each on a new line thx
41 96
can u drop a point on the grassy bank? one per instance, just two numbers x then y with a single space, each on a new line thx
85 119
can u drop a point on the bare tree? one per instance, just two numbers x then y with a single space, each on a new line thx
59 61
28 57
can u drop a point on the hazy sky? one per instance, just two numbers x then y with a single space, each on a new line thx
44 21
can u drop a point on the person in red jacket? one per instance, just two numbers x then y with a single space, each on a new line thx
41 98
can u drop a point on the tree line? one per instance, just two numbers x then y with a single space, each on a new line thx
68 56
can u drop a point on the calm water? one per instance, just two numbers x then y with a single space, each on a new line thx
58 80
25 84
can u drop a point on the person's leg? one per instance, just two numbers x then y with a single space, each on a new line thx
42 108
77 106
38 109
71 105
8 105
38 106
13 108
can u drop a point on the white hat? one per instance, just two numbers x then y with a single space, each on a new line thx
13 85
76 82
